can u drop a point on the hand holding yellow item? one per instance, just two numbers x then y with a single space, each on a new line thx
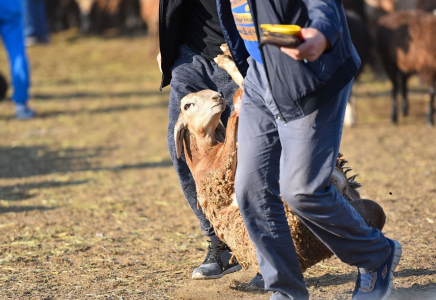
281 35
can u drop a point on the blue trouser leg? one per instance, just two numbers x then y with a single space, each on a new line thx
193 73
35 18
11 30
301 156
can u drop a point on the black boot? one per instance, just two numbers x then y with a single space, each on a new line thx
216 263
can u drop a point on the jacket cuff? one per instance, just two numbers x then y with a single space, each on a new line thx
331 33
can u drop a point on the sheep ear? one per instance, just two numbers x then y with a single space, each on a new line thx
179 129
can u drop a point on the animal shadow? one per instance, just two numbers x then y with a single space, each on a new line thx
19 192
20 162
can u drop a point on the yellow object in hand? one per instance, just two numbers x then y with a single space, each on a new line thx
284 29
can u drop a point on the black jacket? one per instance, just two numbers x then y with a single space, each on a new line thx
298 87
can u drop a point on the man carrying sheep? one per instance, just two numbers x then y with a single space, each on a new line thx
290 128
190 36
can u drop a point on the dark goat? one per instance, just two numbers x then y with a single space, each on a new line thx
62 14
121 14
426 5
359 36
357 6
405 41
362 42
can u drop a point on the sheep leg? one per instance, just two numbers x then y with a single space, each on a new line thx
85 23
405 104
231 133
227 63
430 112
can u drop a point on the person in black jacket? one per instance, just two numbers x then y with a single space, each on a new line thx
190 37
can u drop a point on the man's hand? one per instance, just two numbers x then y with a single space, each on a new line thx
159 61
315 43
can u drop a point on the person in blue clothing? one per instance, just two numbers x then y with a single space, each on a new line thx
11 31
290 127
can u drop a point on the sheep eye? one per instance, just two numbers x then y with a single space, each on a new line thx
187 106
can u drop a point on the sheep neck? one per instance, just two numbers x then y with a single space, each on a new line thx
198 146
205 143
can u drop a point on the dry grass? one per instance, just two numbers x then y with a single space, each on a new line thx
90 206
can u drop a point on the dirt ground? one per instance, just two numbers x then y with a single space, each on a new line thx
91 208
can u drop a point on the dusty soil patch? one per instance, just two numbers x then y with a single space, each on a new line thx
90 206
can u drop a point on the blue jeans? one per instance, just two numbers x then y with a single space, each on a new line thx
11 31
36 19
296 160
192 73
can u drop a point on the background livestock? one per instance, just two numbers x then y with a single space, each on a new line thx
96 16
357 6
426 5
406 45
363 44
62 14
370 11
85 7
360 37
120 14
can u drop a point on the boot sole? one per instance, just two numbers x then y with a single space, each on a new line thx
198 276
397 256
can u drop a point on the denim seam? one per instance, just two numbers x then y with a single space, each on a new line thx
265 180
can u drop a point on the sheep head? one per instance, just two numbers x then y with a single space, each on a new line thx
200 116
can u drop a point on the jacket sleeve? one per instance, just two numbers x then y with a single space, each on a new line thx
325 17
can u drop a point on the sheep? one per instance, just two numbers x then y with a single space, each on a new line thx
210 152
94 15
357 6
63 14
374 9
120 14
405 40
426 5
360 37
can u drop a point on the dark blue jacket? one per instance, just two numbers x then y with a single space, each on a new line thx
298 87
